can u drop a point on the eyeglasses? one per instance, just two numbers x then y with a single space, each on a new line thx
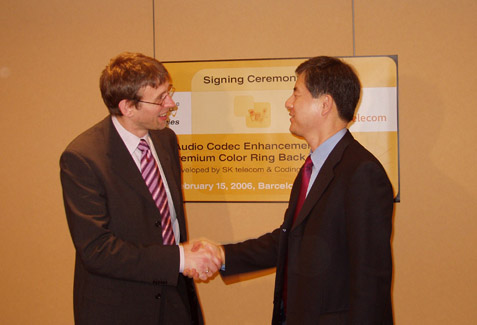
169 93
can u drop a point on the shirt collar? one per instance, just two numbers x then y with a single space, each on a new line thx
323 151
130 140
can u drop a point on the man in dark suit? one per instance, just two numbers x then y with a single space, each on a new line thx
124 206
332 252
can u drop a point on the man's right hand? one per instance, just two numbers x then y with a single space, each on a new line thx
202 259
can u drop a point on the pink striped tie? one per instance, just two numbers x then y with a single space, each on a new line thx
153 180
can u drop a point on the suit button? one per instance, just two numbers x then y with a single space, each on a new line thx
284 230
157 223
158 296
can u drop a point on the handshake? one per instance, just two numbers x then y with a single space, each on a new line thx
202 259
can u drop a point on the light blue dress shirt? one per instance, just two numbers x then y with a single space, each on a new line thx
321 153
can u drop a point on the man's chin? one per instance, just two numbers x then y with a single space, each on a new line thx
161 126
293 131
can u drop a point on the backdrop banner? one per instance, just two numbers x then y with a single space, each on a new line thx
232 125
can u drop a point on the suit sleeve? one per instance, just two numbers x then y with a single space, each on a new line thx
252 255
101 251
369 209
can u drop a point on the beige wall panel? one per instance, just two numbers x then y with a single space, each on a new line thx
232 29
435 224
52 55
245 299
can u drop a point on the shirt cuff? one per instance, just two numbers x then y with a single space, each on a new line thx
181 257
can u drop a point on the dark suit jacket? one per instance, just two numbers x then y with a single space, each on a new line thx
338 249
123 273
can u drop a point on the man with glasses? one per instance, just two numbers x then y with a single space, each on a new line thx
121 184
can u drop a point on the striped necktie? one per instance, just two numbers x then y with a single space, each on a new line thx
152 177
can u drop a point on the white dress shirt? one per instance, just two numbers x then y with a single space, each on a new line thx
132 141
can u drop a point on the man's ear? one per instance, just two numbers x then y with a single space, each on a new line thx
327 102
126 107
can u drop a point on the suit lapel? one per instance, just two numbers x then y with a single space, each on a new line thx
324 178
124 166
167 164
122 163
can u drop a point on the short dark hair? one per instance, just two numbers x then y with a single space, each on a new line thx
126 74
327 75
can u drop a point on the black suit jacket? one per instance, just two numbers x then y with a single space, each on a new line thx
123 273
338 249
